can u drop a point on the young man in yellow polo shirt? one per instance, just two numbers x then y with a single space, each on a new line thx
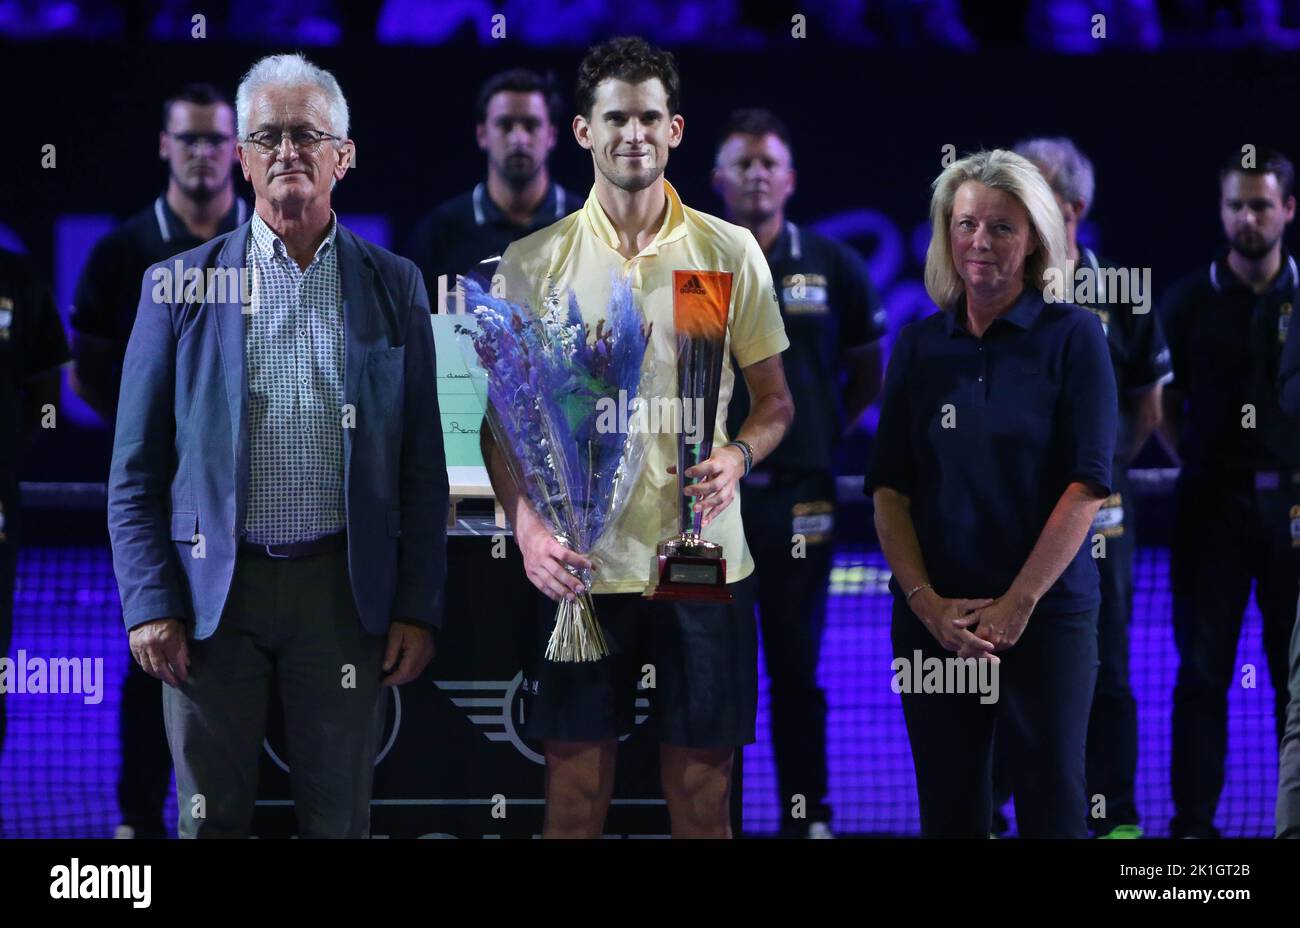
704 655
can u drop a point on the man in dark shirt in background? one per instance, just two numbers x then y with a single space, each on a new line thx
32 351
834 322
197 142
517 114
1237 515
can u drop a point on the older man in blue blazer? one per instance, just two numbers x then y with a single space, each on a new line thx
277 502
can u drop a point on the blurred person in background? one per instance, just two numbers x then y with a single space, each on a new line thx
1237 501
834 321
517 115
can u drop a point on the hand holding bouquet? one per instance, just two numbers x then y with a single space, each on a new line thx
548 377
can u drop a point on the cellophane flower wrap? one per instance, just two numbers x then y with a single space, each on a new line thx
548 375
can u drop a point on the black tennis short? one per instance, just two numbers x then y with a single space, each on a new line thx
701 659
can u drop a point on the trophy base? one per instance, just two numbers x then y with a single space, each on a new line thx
689 570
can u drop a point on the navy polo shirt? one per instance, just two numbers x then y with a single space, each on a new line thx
457 236
1227 344
983 435
1138 351
108 290
829 307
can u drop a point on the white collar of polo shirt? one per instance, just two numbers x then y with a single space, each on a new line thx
480 217
164 228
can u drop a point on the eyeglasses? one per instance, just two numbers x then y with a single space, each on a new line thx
192 139
304 141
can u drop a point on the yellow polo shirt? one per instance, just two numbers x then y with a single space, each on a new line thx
577 255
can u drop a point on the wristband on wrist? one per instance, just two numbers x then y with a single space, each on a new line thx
745 450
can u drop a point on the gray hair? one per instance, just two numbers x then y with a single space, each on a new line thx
292 70
1010 173
1067 169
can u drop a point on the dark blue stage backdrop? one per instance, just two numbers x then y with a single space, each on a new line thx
870 128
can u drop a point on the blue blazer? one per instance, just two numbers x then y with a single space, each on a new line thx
180 453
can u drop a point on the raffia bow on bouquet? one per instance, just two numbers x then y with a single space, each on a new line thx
547 378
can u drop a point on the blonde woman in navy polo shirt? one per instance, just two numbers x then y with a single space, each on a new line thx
993 454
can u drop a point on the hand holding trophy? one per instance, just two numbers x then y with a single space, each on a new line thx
686 566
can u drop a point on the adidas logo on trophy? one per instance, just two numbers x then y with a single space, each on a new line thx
693 286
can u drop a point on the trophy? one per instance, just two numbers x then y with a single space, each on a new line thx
686 567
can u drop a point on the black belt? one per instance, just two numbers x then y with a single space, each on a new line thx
298 548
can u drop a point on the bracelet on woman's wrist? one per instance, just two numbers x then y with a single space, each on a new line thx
914 590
